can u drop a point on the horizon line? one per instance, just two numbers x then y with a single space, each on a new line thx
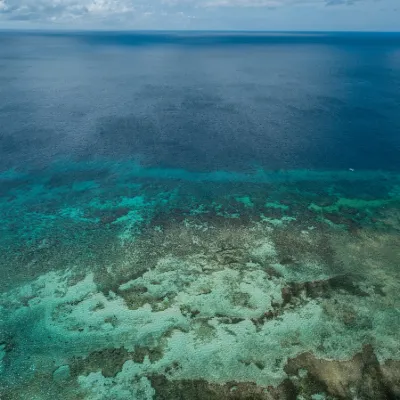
84 30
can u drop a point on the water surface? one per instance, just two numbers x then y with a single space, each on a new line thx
199 215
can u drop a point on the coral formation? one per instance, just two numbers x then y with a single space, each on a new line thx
168 285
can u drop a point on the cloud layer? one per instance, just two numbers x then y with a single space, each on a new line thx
178 13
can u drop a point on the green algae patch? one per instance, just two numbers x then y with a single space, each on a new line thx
127 384
201 209
358 204
332 224
278 206
75 214
245 200
277 221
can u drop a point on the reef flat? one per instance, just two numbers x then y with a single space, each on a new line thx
124 282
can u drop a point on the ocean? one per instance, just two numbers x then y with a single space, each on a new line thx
199 215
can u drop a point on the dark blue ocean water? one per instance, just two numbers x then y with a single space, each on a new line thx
201 101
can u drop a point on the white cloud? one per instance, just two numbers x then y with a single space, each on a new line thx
55 10
260 3
163 14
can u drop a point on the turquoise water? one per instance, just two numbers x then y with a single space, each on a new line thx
130 269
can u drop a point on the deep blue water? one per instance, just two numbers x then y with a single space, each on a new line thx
201 101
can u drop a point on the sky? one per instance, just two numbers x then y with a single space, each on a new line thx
269 15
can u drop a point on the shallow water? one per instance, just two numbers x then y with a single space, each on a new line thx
199 216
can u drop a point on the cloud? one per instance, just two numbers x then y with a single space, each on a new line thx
53 10
341 2
226 3
262 3
132 13
276 3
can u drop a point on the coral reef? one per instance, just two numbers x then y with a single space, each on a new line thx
171 285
